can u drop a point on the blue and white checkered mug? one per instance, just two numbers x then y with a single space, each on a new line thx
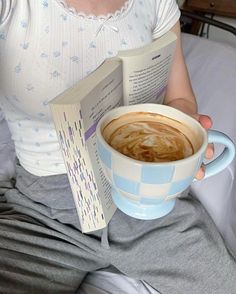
148 190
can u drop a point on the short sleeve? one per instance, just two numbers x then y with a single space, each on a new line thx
167 15
5 9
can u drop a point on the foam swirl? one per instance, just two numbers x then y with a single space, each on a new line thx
150 141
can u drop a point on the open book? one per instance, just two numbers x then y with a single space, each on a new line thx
132 77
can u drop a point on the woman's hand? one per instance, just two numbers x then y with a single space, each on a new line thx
189 108
206 122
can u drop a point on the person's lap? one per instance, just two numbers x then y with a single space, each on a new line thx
180 253
42 248
38 252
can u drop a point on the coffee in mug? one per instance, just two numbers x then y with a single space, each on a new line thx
150 153
149 137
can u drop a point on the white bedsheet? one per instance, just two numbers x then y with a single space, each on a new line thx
212 68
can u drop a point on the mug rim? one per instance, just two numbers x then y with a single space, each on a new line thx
140 107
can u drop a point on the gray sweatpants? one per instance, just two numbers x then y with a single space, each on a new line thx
43 251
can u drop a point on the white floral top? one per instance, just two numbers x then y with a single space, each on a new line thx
46 47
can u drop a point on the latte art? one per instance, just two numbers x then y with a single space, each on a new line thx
149 141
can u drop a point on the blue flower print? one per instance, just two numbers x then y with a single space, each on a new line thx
40 114
13 97
92 45
123 42
75 59
2 36
18 68
56 53
46 30
29 87
43 55
63 17
24 24
64 43
55 74
45 3
88 72
24 45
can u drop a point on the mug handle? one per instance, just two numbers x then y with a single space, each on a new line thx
225 158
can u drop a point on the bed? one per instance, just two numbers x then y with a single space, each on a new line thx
212 68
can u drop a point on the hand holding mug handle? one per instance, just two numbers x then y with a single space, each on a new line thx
224 159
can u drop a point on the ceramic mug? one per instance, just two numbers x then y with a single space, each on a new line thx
148 190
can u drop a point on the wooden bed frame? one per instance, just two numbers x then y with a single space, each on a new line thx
202 19
201 12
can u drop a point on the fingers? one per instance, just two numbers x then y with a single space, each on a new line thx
201 173
209 151
209 154
204 120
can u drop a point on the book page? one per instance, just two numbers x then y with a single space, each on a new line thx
106 96
146 70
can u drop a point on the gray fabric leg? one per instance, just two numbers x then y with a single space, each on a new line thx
37 252
180 253
42 248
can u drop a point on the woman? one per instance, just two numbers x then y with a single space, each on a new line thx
46 47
